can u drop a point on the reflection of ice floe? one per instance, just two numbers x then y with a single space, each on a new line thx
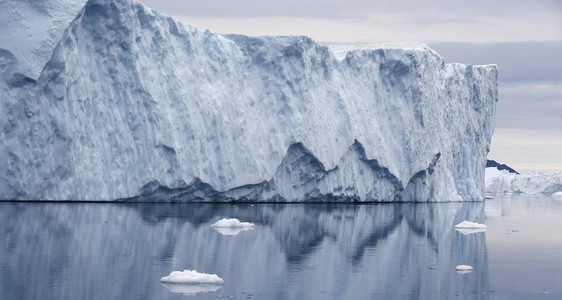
232 231
464 269
191 289
192 277
470 225
232 226
469 231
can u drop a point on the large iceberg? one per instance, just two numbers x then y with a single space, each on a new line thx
135 105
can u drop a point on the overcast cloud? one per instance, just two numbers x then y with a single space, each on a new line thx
333 9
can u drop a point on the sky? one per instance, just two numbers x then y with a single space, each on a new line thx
524 38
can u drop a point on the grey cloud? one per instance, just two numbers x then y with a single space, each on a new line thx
530 107
346 9
517 61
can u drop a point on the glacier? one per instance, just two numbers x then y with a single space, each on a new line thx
133 105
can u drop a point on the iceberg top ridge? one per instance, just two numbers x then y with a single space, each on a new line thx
31 60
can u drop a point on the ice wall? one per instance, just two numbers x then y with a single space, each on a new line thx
132 100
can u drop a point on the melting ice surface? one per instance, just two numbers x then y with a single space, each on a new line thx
300 251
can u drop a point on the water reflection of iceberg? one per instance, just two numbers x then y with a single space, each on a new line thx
347 251
468 231
191 289
232 230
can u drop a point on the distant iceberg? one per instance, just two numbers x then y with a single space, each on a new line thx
192 277
530 183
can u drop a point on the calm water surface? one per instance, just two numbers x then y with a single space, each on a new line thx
296 251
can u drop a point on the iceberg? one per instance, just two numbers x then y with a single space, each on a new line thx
132 105
529 183
192 277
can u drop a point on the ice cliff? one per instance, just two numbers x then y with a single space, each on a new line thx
133 104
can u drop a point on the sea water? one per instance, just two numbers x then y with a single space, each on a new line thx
294 251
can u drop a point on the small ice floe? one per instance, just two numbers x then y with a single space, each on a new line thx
489 197
543 292
466 227
232 226
192 277
557 195
464 269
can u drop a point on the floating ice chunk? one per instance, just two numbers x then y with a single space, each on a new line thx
470 225
192 277
464 269
557 195
232 223
191 289
232 226
489 197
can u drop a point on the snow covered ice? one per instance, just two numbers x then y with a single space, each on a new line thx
466 227
133 105
192 277
470 225
232 226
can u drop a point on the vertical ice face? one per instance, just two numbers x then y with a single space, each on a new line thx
131 97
